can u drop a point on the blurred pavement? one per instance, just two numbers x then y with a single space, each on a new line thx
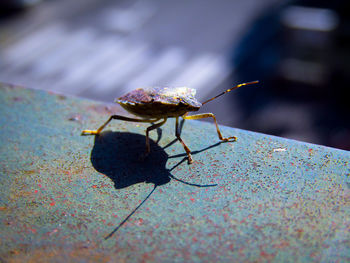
102 49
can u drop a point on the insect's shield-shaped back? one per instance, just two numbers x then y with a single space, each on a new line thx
164 95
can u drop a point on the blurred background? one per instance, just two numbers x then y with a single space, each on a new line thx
100 49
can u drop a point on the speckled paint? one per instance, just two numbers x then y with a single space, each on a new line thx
276 200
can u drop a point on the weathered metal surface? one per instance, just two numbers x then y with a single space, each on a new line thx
62 194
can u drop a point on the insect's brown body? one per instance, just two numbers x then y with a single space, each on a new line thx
160 102
155 104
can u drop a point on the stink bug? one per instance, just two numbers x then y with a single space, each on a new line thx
159 104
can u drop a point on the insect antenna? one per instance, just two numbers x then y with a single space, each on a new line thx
235 87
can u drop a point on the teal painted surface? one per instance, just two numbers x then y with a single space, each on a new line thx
62 193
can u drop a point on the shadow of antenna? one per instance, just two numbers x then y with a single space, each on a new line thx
133 212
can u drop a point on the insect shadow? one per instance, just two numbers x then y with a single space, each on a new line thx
117 155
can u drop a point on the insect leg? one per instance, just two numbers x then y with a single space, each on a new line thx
115 117
152 127
177 133
210 115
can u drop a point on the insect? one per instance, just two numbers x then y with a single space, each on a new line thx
156 105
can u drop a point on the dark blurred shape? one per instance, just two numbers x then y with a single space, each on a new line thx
12 7
299 50
17 4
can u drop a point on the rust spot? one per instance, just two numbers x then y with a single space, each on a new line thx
61 97
81 253
29 172
17 99
103 109
75 117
